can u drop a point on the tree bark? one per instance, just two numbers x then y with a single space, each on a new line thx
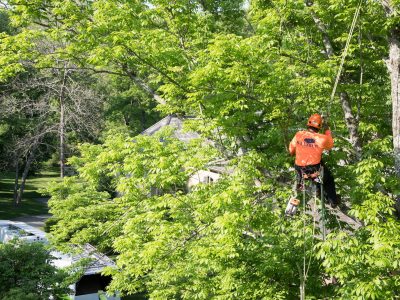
140 83
62 126
325 38
143 119
394 70
352 124
16 162
29 161
62 141
393 66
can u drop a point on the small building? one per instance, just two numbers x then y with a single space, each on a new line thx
91 285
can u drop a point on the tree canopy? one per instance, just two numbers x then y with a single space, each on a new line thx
248 73
33 278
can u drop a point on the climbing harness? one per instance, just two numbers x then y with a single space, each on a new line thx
315 177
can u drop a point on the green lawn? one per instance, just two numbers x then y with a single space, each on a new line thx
29 205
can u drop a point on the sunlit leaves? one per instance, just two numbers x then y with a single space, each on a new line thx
366 262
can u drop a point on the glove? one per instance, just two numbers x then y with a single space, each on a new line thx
325 126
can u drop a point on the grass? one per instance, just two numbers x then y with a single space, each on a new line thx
29 205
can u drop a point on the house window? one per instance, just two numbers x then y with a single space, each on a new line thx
207 179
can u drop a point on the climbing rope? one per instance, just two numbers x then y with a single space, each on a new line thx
322 202
338 75
344 54
303 285
306 266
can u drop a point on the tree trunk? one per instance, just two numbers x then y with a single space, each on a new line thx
393 66
62 125
62 141
394 70
29 161
140 83
352 124
16 162
302 285
143 120
325 38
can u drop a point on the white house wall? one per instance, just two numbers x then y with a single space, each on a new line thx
202 177
94 296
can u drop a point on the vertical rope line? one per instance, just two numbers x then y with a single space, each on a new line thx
361 70
344 54
303 295
322 204
314 212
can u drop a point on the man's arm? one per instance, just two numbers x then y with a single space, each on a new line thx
328 144
292 146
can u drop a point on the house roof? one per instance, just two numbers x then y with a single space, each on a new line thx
98 260
176 122
220 166
12 229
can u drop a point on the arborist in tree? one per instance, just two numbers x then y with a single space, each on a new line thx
308 146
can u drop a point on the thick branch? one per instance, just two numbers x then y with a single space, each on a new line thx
325 38
139 82
352 124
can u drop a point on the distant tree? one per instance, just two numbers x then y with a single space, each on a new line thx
4 21
27 273
38 108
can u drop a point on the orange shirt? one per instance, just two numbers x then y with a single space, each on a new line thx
308 147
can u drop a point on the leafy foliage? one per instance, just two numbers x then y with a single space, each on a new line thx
250 73
33 278
366 263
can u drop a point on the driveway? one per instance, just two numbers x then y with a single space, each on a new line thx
34 221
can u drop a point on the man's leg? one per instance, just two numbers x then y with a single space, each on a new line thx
329 187
293 203
299 185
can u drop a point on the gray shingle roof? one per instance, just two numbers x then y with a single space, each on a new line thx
176 122
99 260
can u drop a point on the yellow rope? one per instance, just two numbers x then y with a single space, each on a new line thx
344 54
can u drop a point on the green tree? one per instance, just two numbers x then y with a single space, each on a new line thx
27 272
250 74
222 240
366 263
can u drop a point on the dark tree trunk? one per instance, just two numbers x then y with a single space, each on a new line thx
62 125
143 119
16 187
29 161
